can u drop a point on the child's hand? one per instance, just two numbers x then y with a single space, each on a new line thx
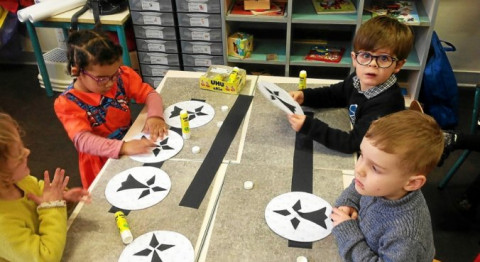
137 146
296 121
52 191
156 127
77 194
352 212
340 215
297 96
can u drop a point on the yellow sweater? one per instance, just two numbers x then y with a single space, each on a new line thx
28 235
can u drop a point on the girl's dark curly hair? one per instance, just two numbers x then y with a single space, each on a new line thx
85 47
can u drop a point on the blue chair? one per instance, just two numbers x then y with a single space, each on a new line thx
473 127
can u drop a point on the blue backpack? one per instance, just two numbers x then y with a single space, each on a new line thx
439 93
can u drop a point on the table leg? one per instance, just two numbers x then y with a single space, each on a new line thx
39 56
122 39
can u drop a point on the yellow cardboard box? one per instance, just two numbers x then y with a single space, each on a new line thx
223 79
240 45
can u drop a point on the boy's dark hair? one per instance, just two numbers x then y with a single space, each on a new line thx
85 47
384 32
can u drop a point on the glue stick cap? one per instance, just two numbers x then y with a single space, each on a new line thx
127 237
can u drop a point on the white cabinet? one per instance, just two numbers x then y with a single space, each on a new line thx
291 36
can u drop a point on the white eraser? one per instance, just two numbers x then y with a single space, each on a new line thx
196 149
302 259
248 185
219 123
224 108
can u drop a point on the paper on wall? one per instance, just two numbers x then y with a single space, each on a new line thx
47 8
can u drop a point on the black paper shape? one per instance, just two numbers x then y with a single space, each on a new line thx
295 222
132 183
283 212
318 216
191 115
156 151
162 146
274 96
154 246
175 112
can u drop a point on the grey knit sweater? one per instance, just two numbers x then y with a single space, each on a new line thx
386 230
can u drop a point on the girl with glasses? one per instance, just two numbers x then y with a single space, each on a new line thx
94 110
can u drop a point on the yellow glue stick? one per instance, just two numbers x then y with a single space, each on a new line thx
123 227
185 125
302 84
233 75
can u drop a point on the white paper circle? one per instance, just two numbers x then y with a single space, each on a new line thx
299 216
166 246
279 97
167 148
199 113
138 188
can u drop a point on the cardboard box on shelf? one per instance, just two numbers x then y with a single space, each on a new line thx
256 4
224 79
240 45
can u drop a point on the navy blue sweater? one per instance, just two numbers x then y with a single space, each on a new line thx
362 110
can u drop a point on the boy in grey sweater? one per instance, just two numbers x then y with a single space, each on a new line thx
382 215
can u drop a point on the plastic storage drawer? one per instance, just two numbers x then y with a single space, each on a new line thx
208 48
158 58
201 60
153 81
152 18
198 6
195 69
155 45
151 5
158 32
156 70
200 34
199 20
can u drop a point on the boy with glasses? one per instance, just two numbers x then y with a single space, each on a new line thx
381 47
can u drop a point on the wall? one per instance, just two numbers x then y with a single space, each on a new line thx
457 22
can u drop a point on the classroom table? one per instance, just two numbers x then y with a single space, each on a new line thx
229 224
114 22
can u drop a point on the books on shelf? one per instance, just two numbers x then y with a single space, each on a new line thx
276 9
325 53
403 11
334 7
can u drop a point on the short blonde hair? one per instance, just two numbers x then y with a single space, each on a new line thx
9 136
415 137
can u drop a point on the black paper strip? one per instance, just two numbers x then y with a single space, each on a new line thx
302 177
157 164
201 182
115 209
198 99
